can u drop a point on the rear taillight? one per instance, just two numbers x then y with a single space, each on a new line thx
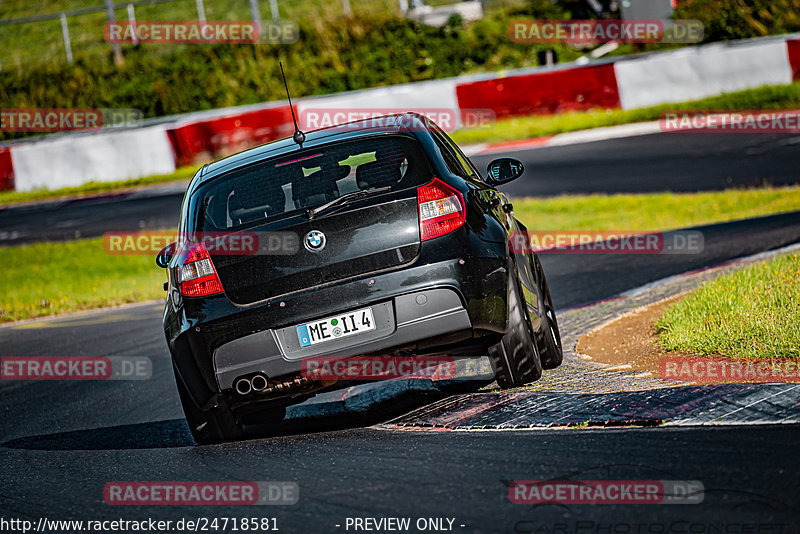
197 276
441 209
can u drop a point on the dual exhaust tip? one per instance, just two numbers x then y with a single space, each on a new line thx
255 383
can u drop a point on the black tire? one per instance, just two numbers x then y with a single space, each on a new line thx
213 426
551 351
516 358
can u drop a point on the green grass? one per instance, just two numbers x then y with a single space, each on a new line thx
768 97
50 278
42 42
341 54
12 197
750 313
654 211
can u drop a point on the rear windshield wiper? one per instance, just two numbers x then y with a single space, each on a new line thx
344 199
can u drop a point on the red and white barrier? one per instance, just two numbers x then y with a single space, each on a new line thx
419 97
71 160
626 82
199 141
694 73
793 46
6 170
546 92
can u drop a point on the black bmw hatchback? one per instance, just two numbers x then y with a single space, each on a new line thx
372 239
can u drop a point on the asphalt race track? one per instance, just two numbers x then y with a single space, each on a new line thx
648 163
58 220
61 442
657 162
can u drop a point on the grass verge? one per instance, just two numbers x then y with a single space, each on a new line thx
52 278
768 97
750 313
13 197
654 211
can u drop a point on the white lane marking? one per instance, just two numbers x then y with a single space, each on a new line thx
756 402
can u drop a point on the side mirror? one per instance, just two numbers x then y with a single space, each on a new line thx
503 170
165 255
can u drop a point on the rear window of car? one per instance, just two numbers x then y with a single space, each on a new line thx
279 187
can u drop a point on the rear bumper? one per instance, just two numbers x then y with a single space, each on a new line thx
401 321
214 341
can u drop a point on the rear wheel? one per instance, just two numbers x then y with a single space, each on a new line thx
516 358
551 350
213 426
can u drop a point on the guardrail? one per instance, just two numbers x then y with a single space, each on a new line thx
626 82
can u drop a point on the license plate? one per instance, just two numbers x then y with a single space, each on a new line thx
335 327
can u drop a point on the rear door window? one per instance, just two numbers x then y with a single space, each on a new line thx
279 187
448 156
455 158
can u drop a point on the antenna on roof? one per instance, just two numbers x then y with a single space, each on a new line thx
298 137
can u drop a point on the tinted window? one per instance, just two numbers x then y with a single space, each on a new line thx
449 158
462 162
302 180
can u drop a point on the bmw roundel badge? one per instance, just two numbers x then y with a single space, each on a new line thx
314 241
